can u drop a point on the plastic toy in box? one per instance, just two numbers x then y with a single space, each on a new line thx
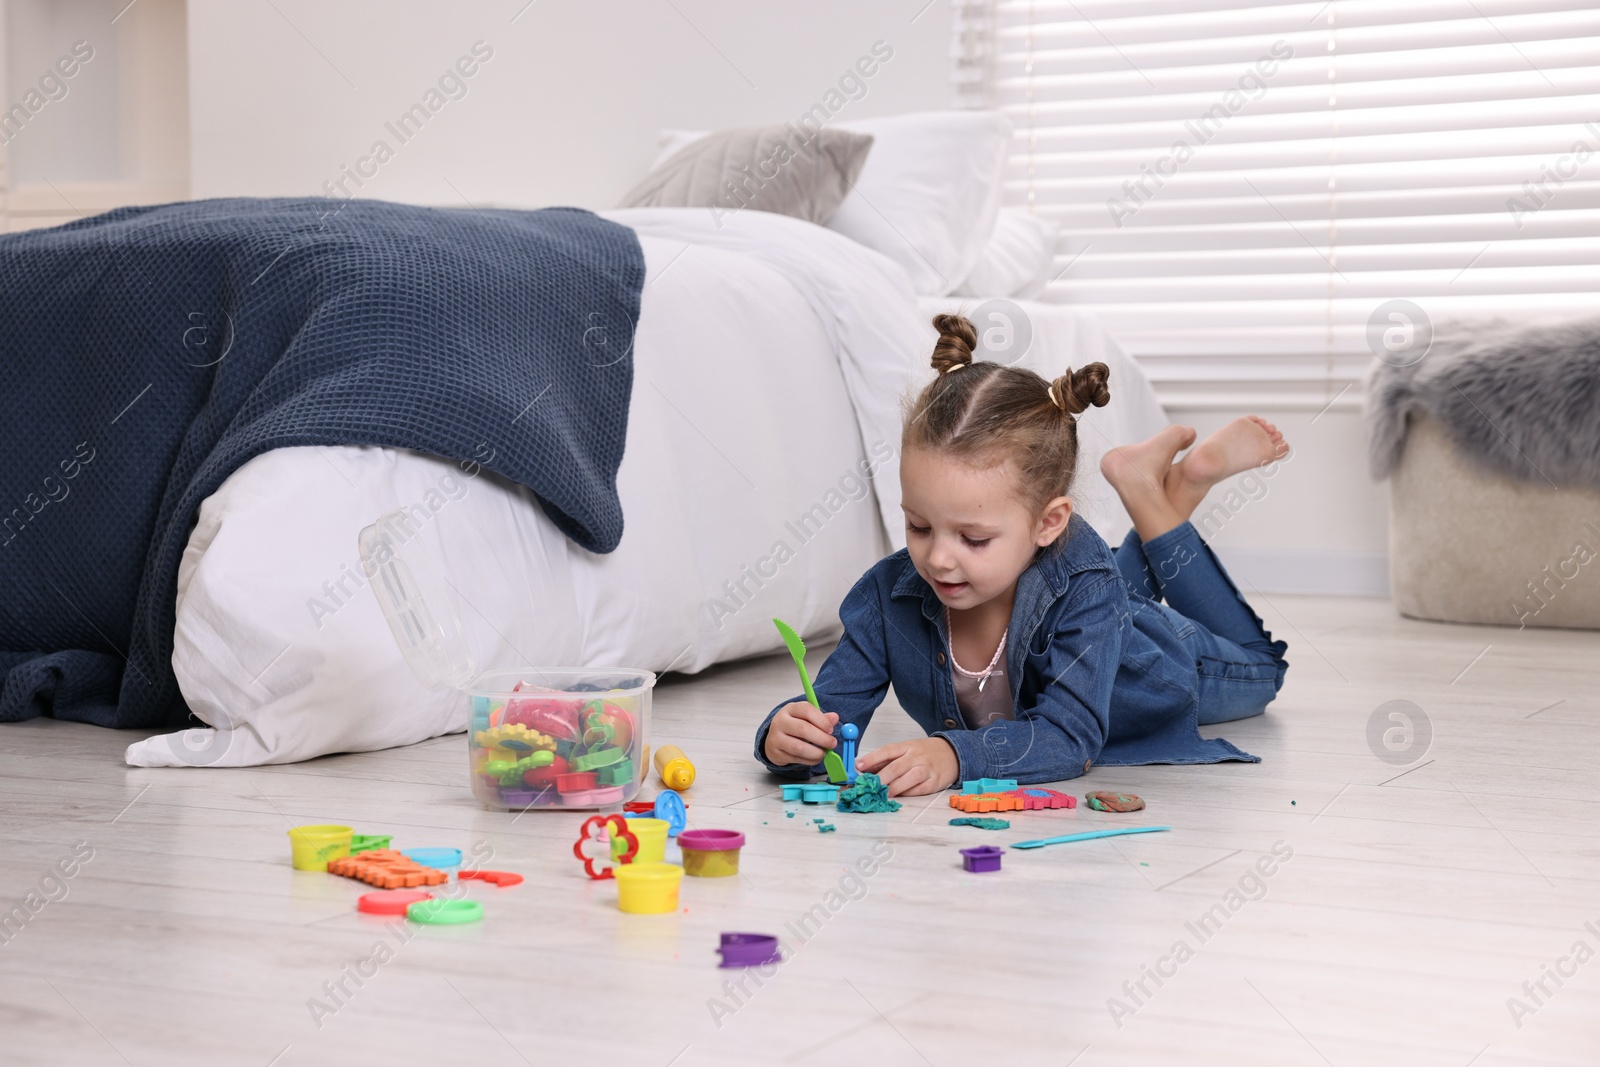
539 737
558 738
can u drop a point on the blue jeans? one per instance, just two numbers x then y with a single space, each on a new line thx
1240 666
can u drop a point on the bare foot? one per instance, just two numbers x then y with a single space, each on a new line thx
1245 443
1138 473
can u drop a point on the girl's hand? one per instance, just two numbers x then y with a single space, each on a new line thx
800 733
913 768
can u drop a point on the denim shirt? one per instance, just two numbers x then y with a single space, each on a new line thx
1098 673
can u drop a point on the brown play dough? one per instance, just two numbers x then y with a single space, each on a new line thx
1100 800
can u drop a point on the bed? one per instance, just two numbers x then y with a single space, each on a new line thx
759 481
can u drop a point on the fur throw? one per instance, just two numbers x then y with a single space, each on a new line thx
1523 401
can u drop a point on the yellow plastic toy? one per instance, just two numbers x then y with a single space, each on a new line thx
512 742
311 847
648 888
652 835
674 768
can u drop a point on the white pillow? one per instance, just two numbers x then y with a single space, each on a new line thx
1018 259
929 194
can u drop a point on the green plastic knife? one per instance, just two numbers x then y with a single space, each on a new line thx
797 648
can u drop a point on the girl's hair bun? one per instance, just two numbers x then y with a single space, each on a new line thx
1083 388
957 338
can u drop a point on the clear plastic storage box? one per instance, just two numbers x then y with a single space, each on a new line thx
537 737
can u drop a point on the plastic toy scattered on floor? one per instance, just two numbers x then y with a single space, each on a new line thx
443 859
668 807
988 785
387 869
652 835
982 824
503 879
649 888
819 793
1029 798
390 901
445 912
749 950
368 842
869 794
1067 839
674 768
617 827
981 859
710 853
312 847
1103 800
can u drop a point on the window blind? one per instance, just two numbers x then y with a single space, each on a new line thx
1245 188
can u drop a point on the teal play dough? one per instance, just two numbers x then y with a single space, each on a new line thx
867 795
982 824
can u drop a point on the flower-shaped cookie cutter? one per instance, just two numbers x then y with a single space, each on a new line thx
617 827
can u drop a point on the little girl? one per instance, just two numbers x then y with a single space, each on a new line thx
1011 632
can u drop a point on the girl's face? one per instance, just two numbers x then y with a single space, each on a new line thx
968 533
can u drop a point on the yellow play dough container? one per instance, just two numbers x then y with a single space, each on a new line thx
648 888
652 835
311 847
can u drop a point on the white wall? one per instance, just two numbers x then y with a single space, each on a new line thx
107 128
566 110
1315 523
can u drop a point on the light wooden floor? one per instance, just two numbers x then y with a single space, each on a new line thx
1420 896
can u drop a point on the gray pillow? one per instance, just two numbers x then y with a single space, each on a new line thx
782 169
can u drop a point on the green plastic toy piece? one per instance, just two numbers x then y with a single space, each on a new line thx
797 649
834 765
620 773
867 795
982 823
368 842
445 912
593 761
511 776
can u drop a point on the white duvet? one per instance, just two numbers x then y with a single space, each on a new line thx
759 480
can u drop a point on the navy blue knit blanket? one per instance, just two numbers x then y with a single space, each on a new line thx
148 353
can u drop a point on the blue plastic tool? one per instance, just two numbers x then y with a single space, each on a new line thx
1089 836
670 810
441 858
851 733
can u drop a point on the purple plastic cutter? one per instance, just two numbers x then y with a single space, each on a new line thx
981 859
750 950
